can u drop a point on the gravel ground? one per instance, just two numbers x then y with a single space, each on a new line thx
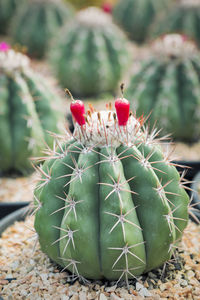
17 189
26 273
186 152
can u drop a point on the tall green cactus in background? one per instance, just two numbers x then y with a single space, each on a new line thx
90 56
7 11
27 110
36 22
168 86
136 16
183 18
109 204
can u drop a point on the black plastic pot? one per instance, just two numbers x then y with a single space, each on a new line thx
7 208
191 168
18 215
195 195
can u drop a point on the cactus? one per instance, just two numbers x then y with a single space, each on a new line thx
79 4
90 56
27 111
37 22
7 10
184 18
168 86
109 204
136 16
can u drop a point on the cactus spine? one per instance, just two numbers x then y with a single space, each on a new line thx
89 57
167 85
37 22
109 205
26 112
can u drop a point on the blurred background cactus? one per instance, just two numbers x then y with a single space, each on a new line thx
36 22
184 18
136 16
28 109
91 55
79 4
7 10
167 86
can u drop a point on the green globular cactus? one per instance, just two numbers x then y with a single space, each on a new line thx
79 4
184 18
110 204
136 16
90 56
27 110
37 22
7 11
167 86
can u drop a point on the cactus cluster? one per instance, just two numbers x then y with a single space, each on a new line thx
90 54
27 111
110 204
136 16
167 86
184 18
37 22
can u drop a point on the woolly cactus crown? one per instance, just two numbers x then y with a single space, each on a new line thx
173 46
11 60
93 16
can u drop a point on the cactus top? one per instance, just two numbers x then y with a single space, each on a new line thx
13 61
190 3
174 46
102 129
93 17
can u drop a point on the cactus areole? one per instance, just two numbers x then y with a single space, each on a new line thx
109 204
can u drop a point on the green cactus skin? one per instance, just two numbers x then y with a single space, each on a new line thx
7 11
109 204
136 16
168 86
80 4
184 18
37 22
27 111
90 56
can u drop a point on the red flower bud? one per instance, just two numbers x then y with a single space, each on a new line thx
122 108
78 111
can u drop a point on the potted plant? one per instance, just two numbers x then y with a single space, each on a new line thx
94 208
